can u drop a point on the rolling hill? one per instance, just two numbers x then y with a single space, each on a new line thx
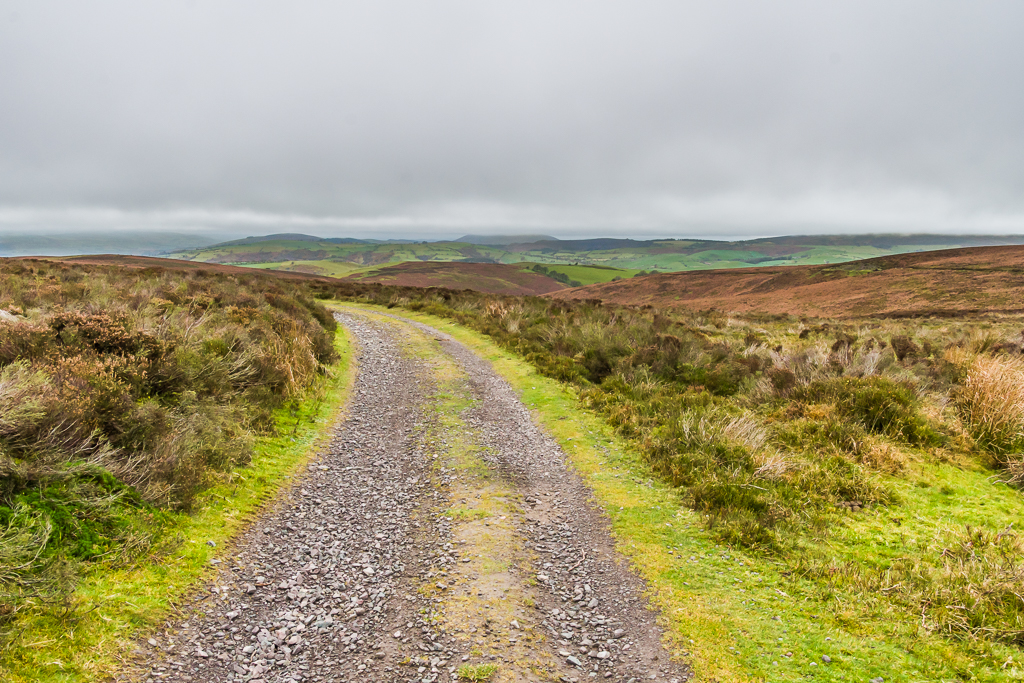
952 281
340 257
942 283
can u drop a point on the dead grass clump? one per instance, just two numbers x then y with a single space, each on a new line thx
772 464
746 432
991 403
22 404
26 571
904 347
884 457
965 584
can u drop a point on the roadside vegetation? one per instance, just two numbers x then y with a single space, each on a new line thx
874 463
124 396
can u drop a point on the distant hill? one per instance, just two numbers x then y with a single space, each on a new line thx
504 240
279 237
343 256
952 282
588 245
136 243
289 237
891 241
945 282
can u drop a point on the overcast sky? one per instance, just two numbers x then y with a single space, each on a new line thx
407 119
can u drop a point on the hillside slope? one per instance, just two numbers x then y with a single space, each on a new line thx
134 262
334 257
490 278
947 281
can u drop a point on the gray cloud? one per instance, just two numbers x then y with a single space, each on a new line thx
399 118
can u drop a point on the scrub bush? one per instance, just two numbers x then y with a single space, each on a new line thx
126 392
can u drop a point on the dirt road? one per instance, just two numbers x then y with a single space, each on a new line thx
439 537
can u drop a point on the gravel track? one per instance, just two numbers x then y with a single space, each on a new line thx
360 571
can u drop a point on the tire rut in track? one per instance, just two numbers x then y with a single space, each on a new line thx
380 563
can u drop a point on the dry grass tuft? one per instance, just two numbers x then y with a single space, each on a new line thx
884 457
991 403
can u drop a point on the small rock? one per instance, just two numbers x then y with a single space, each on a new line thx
826 659
572 660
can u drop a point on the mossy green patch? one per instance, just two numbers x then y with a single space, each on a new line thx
476 672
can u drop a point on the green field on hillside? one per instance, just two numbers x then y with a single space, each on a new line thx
582 274
320 267
278 251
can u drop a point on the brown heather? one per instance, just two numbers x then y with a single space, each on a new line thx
126 392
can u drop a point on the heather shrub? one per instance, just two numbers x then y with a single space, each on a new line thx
904 347
878 404
124 393
991 403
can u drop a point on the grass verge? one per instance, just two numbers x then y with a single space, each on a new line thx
111 608
737 616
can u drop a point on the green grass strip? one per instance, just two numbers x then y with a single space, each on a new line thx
114 607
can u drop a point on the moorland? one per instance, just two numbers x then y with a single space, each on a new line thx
864 461
944 282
